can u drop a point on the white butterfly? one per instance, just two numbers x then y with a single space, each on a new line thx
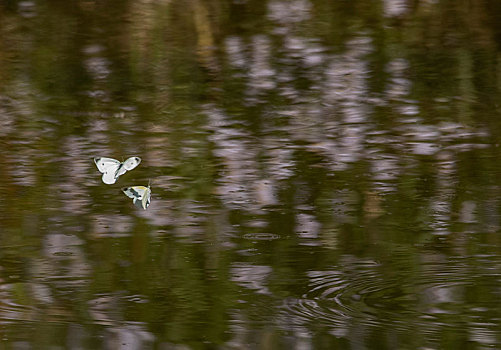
141 195
112 168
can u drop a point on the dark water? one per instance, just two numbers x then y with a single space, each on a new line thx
324 174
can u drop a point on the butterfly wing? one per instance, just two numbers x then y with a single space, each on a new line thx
109 178
140 195
135 192
120 171
103 163
109 167
145 202
131 163
112 168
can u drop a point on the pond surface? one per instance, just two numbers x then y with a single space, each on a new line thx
324 174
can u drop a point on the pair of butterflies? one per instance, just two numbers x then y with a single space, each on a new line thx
112 169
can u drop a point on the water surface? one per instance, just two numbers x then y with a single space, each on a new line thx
325 175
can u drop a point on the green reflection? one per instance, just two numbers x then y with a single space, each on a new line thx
324 174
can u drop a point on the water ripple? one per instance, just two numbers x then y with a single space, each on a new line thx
261 236
365 293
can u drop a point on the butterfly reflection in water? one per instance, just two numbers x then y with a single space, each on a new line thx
141 195
112 168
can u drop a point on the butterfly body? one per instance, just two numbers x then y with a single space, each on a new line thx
141 195
112 168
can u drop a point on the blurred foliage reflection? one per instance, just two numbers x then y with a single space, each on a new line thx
324 174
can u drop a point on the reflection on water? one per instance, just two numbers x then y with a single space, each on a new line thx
440 297
324 175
